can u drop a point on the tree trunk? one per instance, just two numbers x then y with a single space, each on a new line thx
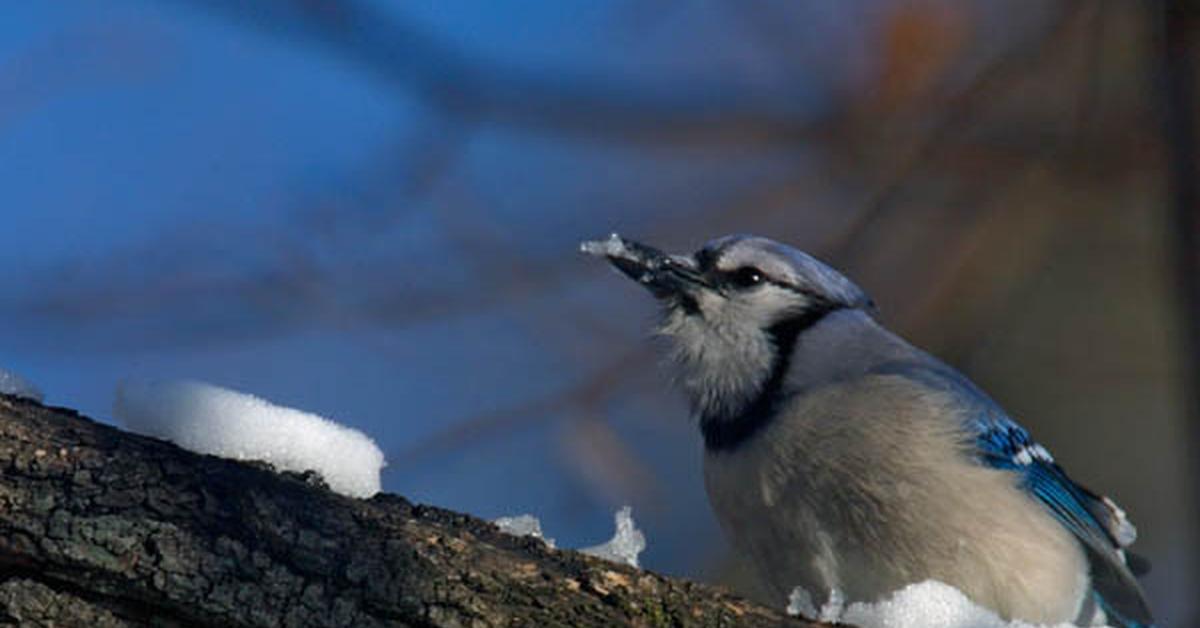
101 527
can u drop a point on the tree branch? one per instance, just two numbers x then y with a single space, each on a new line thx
109 528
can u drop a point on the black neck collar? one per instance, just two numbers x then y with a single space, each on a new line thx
725 431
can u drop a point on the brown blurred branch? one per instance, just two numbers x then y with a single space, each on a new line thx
957 111
1177 27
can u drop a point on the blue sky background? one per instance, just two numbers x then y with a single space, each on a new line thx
370 210
190 196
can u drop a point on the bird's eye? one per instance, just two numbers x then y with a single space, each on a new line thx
746 277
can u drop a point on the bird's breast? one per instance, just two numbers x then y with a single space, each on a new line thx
779 531
870 496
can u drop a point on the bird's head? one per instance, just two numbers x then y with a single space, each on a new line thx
732 311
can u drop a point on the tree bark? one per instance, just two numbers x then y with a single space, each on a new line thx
101 527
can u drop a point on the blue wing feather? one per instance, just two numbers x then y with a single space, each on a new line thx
1003 444
1101 528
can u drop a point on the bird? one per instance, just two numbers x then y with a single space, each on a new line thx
842 459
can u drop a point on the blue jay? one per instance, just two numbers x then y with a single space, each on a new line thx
840 457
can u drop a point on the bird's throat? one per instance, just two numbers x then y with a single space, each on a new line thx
732 421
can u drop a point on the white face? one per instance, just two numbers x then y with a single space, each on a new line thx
725 334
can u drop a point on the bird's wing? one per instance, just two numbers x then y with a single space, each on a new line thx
1098 523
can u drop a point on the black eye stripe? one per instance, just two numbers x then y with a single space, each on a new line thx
741 278
745 277
706 261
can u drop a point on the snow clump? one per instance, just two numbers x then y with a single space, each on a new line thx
523 525
17 386
625 545
211 420
929 604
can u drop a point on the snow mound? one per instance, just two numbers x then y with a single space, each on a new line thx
212 420
627 542
929 604
523 525
17 386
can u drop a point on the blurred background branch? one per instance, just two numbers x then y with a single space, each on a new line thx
383 42
1178 38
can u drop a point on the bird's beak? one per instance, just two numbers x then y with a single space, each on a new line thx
663 274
